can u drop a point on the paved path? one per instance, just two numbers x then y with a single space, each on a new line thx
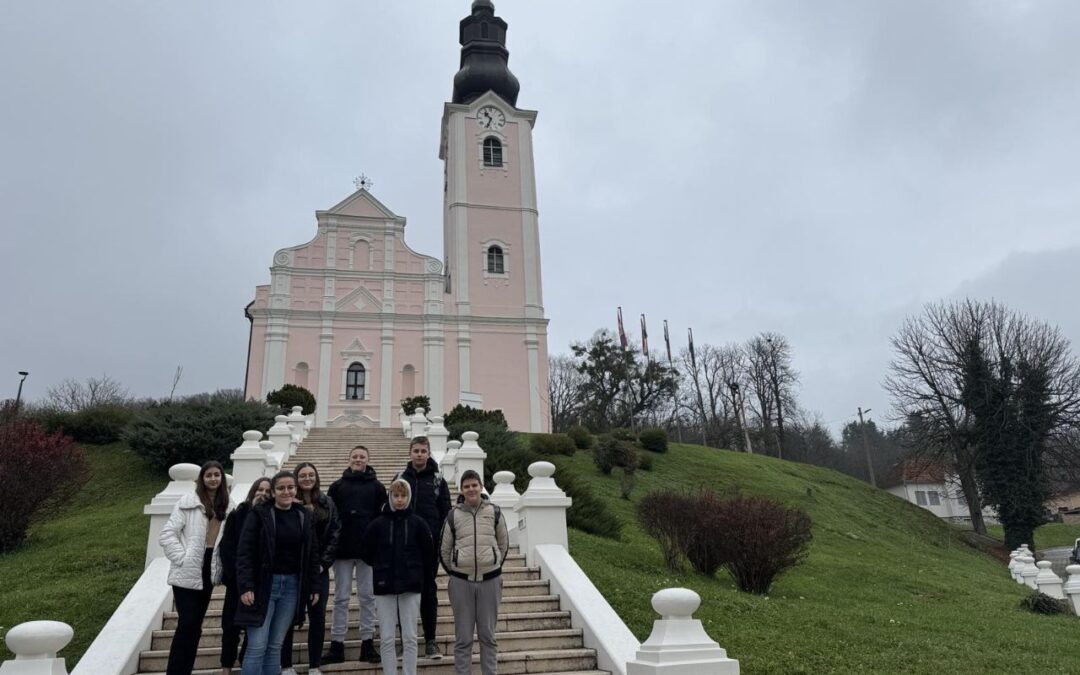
1058 556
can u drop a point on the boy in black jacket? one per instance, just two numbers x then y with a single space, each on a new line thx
399 548
430 501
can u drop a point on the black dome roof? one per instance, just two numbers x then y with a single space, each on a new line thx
484 57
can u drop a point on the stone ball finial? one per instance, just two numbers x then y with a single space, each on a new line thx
437 420
1044 564
298 410
541 469
253 436
1073 569
419 411
676 603
470 436
184 471
504 477
453 445
39 638
281 419
266 445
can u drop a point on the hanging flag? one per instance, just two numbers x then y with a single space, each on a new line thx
622 332
667 343
644 338
693 358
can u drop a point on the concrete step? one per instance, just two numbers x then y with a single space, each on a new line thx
553 662
527 621
509 605
518 641
511 589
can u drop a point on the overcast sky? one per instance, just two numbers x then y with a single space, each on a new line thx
820 169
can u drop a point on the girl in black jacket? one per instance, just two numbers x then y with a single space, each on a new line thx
277 572
359 498
230 538
399 548
327 526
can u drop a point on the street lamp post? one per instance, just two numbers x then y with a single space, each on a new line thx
18 396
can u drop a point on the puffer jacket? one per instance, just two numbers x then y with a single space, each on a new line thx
359 497
399 548
184 541
430 494
474 541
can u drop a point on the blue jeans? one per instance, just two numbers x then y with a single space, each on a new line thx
263 655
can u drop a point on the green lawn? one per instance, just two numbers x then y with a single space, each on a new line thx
887 587
77 566
1050 535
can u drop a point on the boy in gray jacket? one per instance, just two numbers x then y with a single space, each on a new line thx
473 547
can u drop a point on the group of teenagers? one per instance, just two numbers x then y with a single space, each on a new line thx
275 550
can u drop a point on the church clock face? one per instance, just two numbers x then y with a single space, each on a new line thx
490 117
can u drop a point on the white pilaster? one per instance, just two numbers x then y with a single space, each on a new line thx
433 365
532 348
678 644
35 645
470 456
464 345
160 507
386 374
542 512
249 459
326 347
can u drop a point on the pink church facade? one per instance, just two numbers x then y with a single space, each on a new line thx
363 321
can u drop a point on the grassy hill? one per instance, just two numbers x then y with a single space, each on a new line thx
77 565
886 588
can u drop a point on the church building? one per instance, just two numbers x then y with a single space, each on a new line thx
363 321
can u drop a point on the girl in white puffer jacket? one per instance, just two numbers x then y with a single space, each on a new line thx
190 540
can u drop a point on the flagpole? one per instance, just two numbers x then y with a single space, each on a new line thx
675 394
701 401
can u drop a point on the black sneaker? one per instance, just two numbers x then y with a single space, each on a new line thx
431 650
335 654
368 652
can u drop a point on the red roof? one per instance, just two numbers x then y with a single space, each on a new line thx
915 471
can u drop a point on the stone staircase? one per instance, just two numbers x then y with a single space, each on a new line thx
534 633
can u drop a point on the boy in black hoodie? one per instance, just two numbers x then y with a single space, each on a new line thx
430 501
399 548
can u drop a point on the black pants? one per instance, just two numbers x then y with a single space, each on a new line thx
190 609
230 632
316 627
429 602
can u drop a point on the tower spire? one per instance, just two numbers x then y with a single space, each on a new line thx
484 57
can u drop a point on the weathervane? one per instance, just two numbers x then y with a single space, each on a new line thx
362 182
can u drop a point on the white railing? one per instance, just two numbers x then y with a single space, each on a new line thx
1040 577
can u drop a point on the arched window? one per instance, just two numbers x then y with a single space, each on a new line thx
355 379
408 381
302 375
493 152
495 262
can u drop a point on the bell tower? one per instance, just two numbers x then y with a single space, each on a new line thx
491 234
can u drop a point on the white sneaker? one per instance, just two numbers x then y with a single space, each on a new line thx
288 671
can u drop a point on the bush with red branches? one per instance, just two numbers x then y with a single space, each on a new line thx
35 467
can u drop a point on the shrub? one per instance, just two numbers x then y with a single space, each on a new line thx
629 472
587 512
606 454
663 516
624 434
645 461
552 444
583 440
701 541
35 467
758 539
409 405
196 429
97 425
653 438
461 414
291 395
1040 603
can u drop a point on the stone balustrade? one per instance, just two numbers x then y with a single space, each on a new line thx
160 507
678 643
448 466
437 435
1041 577
35 645
418 423
470 456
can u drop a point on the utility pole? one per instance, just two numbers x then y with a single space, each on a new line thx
866 447
18 396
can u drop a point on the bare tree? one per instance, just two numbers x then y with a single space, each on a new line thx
72 396
564 392
772 380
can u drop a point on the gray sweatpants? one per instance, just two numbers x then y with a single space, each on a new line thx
343 580
475 605
392 609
